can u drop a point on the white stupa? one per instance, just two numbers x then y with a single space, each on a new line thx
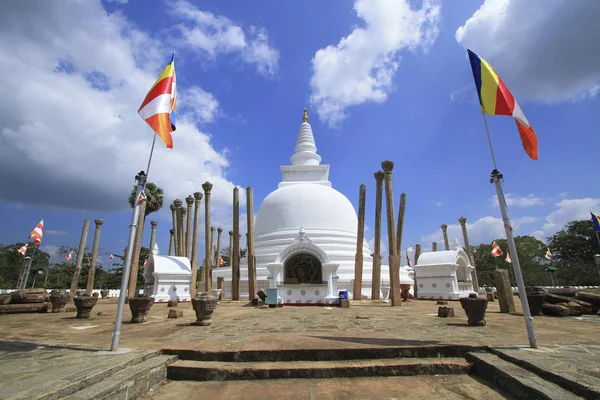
305 235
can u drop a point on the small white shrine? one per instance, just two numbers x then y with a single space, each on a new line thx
167 278
444 275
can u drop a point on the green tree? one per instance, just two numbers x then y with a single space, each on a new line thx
154 198
12 262
227 257
573 249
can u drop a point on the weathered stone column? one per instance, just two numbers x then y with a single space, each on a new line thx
394 262
434 246
182 232
250 244
212 245
235 256
230 247
135 259
194 262
153 224
463 225
504 291
445 233
218 252
80 254
172 242
416 259
178 227
175 230
400 227
207 186
188 231
360 238
92 270
417 253
376 277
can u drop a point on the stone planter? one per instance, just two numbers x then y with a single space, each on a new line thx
84 305
104 293
81 292
139 307
59 298
216 293
475 309
535 300
204 306
5 298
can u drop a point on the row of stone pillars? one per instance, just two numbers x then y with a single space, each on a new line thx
234 245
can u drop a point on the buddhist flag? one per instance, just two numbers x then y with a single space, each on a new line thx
496 99
596 219
69 256
548 254
508 259
159 107
110 259
220 261
142 197
23 249
408 259
496 250
145 261
37 233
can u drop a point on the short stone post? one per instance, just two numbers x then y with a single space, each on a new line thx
434 246
250 244
193 283
92 270
175 230
207 186
504 290
445 233
394 263
400 228
135 258
360 238
218 252
188 232
221 285
235 256
376 276
80 254
172 242
463 225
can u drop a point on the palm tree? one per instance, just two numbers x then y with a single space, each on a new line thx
154 200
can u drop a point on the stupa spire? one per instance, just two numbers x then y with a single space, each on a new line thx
305 152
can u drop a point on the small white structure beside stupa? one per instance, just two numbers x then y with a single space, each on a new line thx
167 277
444 275
305 236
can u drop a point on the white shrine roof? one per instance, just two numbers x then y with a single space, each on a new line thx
442 257
171 265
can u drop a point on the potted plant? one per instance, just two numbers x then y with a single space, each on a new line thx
475 308
59 298
204 306
139 306
84 305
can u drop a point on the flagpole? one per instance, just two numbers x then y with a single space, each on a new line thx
26 277
496 179
150 158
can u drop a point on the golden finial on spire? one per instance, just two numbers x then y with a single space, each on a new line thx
305 116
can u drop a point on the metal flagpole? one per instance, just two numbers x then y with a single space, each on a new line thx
26 277
496 179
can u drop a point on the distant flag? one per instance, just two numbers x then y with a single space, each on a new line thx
408 259
159 107
110 259
220 261
142 197
496 99
548 254
596 219
69 256
145 261
496 250
37 233
508 259
410 249
23 249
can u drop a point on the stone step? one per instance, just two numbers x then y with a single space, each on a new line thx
519 382
329 354
129 383
225 371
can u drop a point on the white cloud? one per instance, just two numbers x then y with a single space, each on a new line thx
73 79
202 105
54 252
213 34
566 210
541 49
55 232
361 67
518 201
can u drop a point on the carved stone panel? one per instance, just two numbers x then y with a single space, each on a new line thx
303 268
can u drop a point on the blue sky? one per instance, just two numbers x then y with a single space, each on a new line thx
381 80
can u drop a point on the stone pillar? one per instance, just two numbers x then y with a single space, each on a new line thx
172 242
504 290
250 244
394 263
212 245
175 233
463 225
80 254
92 270
221 285
207 186
445 233
218 252
188 231
135 259
230 247
153 224
178 227
235 255
376 277
416 259
194 262
434 246
417 253
181 213
400 227
360 238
